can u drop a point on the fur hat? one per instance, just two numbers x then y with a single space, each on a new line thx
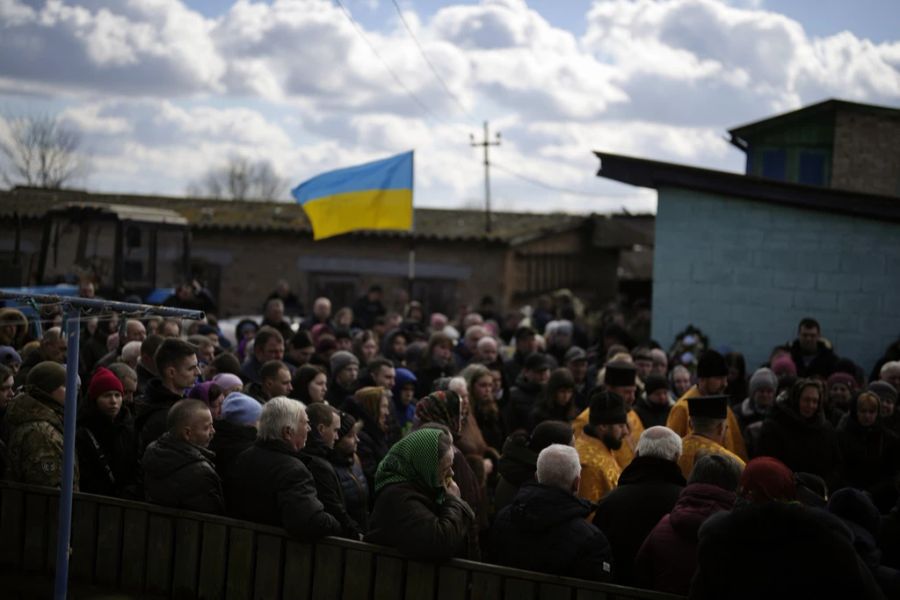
104 381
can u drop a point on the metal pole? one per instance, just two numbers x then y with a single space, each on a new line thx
487 181
73 333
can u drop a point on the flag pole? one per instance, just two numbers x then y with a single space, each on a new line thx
411 266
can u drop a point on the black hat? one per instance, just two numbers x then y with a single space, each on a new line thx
655 382
619 373
607 408
710 407
712 364
575 354
537 361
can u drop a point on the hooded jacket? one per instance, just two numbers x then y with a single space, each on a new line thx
328 486
544 530
35 446
107 454
667 559
181 475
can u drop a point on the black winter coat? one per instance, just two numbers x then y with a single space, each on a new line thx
182 475
523 397
107 455
409 519
648 489
354 487
803 445
779 551
870 461
270 484
328 485
229 441
373 444
822 363
150 422
544 530
516 466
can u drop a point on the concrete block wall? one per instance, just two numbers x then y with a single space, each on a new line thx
746 272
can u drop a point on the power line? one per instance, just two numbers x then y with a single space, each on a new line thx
428 62
546 186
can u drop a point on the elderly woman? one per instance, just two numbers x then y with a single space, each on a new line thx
417 505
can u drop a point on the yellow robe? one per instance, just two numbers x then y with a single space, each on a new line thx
679 423
695 444
625 454
579 423
599 469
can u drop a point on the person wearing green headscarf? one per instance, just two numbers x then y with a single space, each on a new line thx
417 505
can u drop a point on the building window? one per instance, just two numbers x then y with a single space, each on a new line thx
774 164
811 168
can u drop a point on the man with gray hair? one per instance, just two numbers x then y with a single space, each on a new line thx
544 529
269 482
648 489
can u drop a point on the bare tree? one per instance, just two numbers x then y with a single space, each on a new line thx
240 179
41 151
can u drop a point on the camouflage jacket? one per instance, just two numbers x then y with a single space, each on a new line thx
36 440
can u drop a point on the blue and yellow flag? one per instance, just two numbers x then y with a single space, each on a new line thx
376 195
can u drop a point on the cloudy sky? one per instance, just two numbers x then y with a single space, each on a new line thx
164 90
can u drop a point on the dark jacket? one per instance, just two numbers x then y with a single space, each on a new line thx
270 484
250 370
36 438
328 486
651 414
107 455
648 489
516 466
544 530
229 441
870 460
822 362
667 559
409 519
806 445
365 312
523 397
150 420
372 446
354 487
182 475
779 551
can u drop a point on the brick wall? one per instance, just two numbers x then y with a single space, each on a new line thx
746 272
866 153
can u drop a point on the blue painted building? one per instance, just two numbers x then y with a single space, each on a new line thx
745 257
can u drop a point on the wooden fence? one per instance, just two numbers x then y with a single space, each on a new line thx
153 551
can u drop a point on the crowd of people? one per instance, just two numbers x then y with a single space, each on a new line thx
523 439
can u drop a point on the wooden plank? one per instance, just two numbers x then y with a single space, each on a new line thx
52 532
485 586
34 550
213 557
84 540
134 548
552 591
452 583
388 578
358 574
298 574
109 545
12 519
519 589
239 582
420 579
187 558
268 567
329 572
160 554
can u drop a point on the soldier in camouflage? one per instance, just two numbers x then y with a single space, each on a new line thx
35 418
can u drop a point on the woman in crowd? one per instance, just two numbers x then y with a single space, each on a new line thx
556 401
310 384
483 405
370 405
350 472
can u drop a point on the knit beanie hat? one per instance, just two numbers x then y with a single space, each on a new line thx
784 365
241 409
655 382
762 379
342 359
9 356
712 364
347 423
844 378
228 381
200 391
47 376
884 390
104 381
767 479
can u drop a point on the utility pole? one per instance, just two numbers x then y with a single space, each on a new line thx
486 143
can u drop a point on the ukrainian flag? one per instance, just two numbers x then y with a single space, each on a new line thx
376 195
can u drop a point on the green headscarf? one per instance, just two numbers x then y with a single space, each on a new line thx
413 459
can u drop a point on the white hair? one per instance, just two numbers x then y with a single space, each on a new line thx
660 442
458 385
278 413
131 351
558 466
487 341
893 365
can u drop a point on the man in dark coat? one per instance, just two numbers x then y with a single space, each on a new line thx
270 484
267 345
178 468
525 393
811 355
544 529
369 307
235 430
324 423
647 490
178 368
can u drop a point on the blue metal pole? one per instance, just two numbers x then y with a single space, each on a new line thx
73 331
